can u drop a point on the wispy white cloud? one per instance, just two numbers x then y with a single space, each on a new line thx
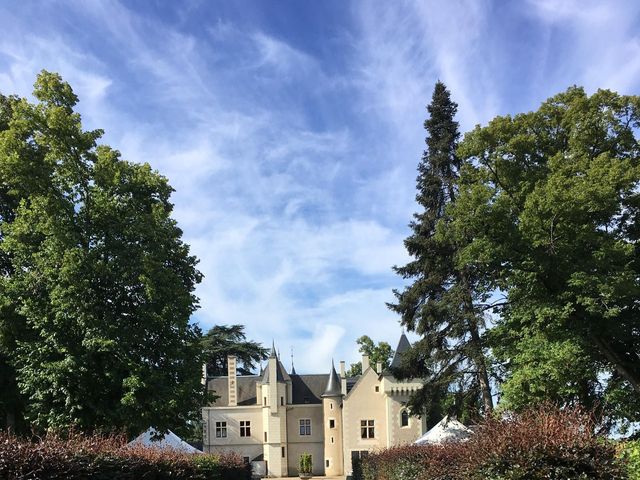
406 46
294 172
604 41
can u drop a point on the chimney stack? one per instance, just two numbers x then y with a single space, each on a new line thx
343 378
379 367
233 380
365 362
204 374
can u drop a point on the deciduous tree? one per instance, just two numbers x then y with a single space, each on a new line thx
551 202
380 353
97 284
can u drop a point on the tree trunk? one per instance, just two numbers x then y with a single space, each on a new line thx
620 366
477 355
11 421
483 374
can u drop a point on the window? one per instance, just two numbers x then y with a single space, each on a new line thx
331 439
265 436
377 388
331 405
246 460
305 426
281 400
282 451
404 418
327 463
245 428
367 429
265 401
221 429
332 423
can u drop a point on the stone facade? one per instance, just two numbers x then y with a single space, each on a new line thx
276 416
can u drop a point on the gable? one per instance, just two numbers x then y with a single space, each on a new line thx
365 383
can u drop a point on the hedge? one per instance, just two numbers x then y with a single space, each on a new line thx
630 453
544 443
80 457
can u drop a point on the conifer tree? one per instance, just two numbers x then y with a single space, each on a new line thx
440 304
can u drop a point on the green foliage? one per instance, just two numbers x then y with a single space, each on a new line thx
223 340
305 465
630 454
540 444
550 200
444 301
382 352
79 458
97 285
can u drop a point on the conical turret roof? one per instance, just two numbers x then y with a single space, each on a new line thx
333 384
403 346
281 372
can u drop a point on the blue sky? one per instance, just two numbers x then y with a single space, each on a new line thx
291 130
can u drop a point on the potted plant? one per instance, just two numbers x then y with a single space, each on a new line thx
305 466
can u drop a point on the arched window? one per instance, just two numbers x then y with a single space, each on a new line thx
404 419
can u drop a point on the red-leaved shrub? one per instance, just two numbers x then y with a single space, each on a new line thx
542 443
97 457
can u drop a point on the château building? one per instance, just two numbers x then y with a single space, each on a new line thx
277 416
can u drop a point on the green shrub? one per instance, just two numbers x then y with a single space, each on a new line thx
305 463
545 443
630 454
106 458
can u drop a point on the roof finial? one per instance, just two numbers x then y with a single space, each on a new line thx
293 369
273 349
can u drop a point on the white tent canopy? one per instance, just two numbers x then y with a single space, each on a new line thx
169 441
446 430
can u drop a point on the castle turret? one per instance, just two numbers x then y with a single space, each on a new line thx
332 408
403 346
275 385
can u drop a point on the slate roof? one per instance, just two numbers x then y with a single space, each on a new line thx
403 346
333 388
307 389
246 389
281 372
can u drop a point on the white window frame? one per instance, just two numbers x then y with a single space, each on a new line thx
245 428
367 429
221 429
305 427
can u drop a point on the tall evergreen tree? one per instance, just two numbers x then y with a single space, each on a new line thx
441 304
224 340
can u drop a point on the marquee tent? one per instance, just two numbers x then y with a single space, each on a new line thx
446 430
169 441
